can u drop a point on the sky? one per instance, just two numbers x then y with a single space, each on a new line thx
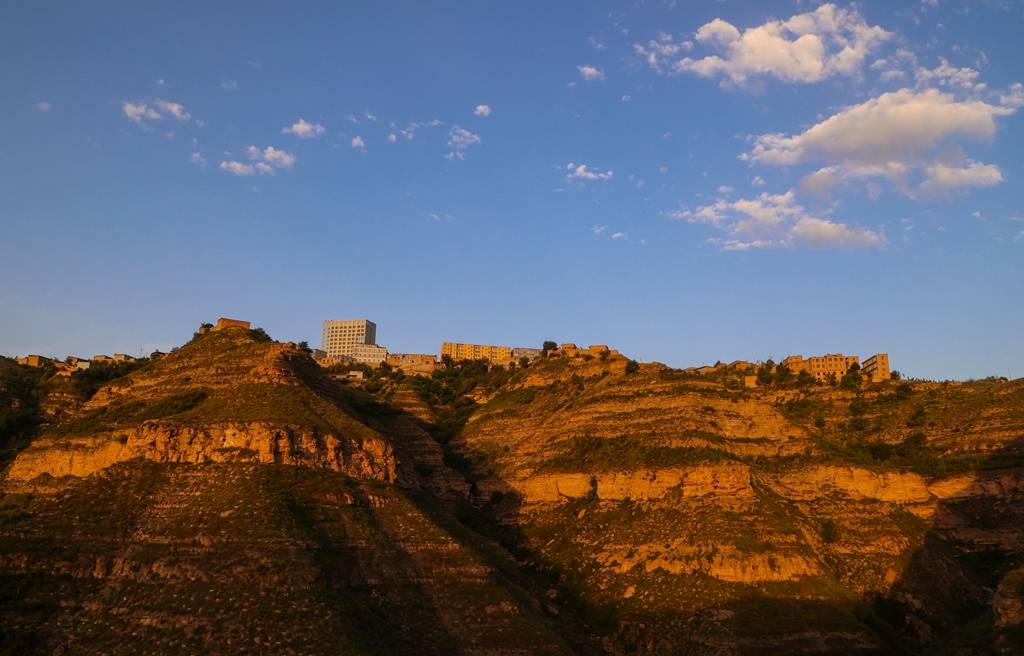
685 181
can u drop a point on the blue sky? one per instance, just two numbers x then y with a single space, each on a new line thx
685 181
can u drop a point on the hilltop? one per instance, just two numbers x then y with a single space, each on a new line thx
234 496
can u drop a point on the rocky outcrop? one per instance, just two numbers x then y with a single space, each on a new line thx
362 457
721 561
855 482
728 483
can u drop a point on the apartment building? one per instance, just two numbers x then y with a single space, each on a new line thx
339 337
822 367
457 351
876 368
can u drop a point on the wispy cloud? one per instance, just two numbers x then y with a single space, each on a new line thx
42 106
459 139
358 143
582 173
775 220
141 112
482 110
229 85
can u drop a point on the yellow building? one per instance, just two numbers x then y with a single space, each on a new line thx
876 368
457 351
224 322
822 367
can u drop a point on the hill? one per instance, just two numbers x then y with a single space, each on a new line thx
233 497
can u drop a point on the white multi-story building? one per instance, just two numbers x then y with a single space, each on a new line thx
339 337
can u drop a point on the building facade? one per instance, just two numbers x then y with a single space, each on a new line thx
520 352
223 323
822 367
458 351
370 354
876 368
339 337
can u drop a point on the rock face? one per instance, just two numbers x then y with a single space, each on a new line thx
669 496
253 442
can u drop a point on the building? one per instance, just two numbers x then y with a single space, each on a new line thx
370 354
121 357
317 354
33 360
223 323
876 368
822 367
339 336
518 353
457 351
414 363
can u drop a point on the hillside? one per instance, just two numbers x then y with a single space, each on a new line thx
693 515
233 497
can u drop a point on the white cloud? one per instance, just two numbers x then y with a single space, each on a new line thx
596 43
304 130
806 48
271 158
392 138
459 139
197 158
943 178
229 85
946 75
598 229
897 136
482 110
358 143
1014 97
626 98
237 168
725 189
139 112
174 109
618 235
370 116
775 220
42 106
591 73
659 53
758 181
581 173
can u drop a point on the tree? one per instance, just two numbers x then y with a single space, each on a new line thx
804 378
524 362
851 379
549 346
766 374
632 367
305 347
783 375
261 335
895 375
